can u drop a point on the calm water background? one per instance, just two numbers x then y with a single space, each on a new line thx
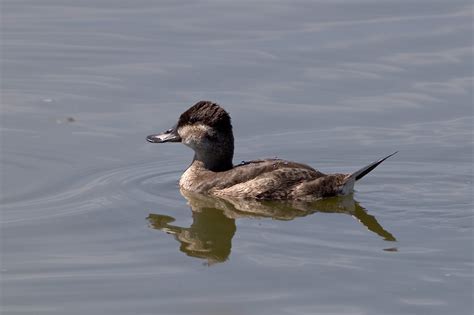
335 84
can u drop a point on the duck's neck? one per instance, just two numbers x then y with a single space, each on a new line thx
215 160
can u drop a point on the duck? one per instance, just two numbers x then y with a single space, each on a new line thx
206 128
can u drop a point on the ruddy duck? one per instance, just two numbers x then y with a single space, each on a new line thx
206 128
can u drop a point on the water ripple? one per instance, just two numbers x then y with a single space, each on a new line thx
93 192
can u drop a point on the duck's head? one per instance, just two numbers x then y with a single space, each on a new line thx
205 128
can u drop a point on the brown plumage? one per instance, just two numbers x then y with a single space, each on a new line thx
207 129
207 113
264 180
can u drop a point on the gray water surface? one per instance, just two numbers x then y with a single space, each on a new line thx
92 219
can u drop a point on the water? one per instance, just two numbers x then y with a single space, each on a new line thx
92 219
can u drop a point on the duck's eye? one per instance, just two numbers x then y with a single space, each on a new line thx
169 130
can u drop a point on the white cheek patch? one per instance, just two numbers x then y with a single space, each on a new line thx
192 135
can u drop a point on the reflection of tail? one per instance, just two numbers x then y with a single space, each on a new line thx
352 178
371 223
347 204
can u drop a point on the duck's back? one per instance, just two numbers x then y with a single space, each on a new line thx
263 179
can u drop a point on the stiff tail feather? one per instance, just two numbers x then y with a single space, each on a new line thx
352 178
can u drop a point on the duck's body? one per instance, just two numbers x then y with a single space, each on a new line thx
263 179
206 128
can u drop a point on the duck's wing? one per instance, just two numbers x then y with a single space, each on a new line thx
265 179
324 186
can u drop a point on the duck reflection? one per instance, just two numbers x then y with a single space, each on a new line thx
210 235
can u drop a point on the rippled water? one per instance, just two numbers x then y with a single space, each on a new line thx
92 219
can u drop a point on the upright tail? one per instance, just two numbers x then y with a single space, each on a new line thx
367 169
352 178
